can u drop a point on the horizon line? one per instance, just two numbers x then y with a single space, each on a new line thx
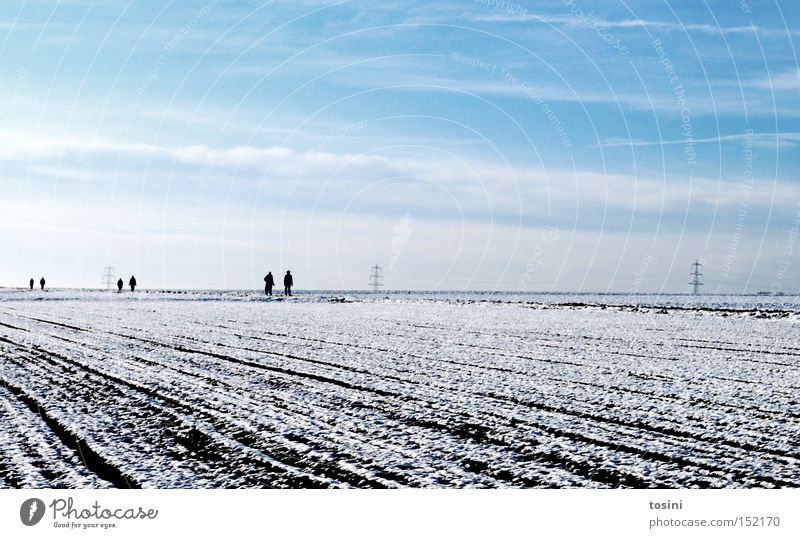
369 291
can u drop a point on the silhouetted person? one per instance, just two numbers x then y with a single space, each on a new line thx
120 283
270 280
31 283
288 282
42 282
132 283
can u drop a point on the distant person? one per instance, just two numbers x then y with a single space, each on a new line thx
270 280
132 283
288 282
42 282
120 283
31 283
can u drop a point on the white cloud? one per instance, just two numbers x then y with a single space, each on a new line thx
528 89
93 170
181 231
21 148
169 247
426 180
785 81
578 21
772 138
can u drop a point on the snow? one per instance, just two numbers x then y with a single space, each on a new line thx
232 389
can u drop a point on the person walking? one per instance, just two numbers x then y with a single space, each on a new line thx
132 283
288 282
31 283
120 283
270 283
42 282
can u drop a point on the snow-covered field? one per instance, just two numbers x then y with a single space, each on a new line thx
214 389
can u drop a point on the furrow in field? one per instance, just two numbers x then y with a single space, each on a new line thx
529 401
636 425
670 430
694 401
447 426
92 460
197 403
170 440
30 443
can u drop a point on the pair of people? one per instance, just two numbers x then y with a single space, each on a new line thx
131 283
288 282
42 282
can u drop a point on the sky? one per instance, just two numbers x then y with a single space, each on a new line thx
471 145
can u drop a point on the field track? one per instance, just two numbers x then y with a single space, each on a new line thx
376 394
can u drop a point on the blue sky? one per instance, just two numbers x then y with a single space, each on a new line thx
462 145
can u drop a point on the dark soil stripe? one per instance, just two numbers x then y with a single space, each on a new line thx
93 461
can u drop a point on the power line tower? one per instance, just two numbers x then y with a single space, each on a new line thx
376 277
109 276
696 277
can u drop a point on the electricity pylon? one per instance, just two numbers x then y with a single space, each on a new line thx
696 277
376 277
109 274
